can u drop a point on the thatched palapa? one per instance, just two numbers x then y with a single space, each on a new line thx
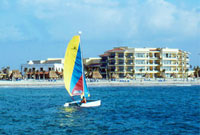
96 75
52 74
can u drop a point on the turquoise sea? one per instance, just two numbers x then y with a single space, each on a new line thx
124 110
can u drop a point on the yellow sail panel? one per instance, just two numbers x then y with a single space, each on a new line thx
69 62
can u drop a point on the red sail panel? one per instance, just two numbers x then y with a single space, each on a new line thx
78 89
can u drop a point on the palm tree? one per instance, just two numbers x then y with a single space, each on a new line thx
147 75
133 71
43 74
141 73
34 75
30 74
6 71
186 71
163 73
196 71
37 76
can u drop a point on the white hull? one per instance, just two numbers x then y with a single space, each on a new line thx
90 103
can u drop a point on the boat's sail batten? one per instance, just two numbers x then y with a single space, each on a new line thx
73 67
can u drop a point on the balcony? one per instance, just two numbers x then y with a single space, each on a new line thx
153 64
147 71
121 64
129 57
121 57
170 64
154 58
103 61
128 64
129 70
111 57
171 71
111 64
169 58
140 58
149 64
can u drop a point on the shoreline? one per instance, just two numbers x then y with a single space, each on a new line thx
99 83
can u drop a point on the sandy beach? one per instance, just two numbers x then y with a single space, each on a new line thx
52 83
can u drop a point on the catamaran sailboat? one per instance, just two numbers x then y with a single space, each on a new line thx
74 76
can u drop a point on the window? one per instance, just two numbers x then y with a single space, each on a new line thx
121 75
121 62
167 68
167 55
121 55
112 69
112 62
167 62
112 55
129 55
140 55
140 61
129 68
139 68
25 69
130 62
121 68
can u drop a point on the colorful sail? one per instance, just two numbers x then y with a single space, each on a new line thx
73 69
86 92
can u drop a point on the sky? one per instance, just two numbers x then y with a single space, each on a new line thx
41 29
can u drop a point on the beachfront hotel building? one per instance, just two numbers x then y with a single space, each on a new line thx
43 69
125 62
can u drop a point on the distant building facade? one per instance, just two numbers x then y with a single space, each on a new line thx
92 68
125 62
52 68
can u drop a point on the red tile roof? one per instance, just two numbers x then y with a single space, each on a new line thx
105 54
115 49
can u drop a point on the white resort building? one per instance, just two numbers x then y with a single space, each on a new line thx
124 62
43 69
52 68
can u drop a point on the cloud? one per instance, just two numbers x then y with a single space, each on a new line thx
160 14
10 31
107 19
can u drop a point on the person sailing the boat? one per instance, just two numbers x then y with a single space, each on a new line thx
83 100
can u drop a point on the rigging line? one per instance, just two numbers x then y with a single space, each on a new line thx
72 98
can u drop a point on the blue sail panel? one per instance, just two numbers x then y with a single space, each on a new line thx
86 91
76 81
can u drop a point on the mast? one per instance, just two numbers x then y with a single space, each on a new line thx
80 32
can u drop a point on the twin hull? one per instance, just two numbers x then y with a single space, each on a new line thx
90 103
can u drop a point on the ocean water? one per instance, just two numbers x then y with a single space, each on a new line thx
124 110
